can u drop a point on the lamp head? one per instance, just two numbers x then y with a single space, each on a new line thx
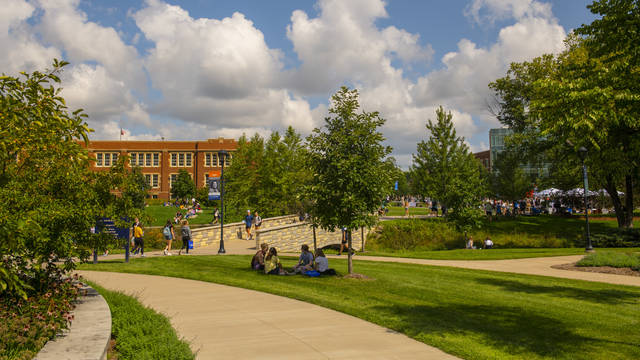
582 152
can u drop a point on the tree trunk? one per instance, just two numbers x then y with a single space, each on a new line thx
315 245
621 211
362 239
628 180
350 263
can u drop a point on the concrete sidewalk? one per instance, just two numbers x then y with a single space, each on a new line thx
223 322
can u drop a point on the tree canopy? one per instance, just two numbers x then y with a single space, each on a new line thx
183 187
446 171
347 159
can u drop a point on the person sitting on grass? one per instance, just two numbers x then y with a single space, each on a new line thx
322 264
305 261
257 262
470 243
488 244
272 265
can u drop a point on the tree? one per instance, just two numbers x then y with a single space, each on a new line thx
589 96
46 192
184 187
445 170
509 181
347 159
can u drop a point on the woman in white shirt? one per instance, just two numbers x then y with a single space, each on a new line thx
322 264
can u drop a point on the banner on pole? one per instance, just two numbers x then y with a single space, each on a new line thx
214 185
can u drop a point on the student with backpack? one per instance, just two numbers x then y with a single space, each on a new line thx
186 236
169 235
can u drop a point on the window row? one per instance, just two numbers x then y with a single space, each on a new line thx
144 159
181 159
211 159
106 159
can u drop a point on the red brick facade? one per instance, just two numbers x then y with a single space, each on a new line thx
485 158
162 159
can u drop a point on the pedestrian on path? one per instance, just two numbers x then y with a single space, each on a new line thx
248 221
257 221
138 241
169 235
186 236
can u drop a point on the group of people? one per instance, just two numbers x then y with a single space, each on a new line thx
169 235
251 221
266 260
486 244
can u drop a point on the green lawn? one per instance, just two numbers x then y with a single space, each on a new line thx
493 254
470 313
399 211
629 258
160 214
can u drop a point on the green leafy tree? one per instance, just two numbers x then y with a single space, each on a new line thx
587 96
445 170
347 158
184 187
509 181
46 187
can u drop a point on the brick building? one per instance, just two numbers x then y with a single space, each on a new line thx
485 159
161 161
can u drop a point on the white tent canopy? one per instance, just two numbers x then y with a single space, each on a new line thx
606 193
548 192
578 192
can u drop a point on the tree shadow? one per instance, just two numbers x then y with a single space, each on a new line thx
511 330
604 296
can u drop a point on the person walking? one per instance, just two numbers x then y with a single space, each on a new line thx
186 236
257 221
248 221
138 241
216 216
169 235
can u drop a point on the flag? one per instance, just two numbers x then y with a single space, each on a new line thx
121 132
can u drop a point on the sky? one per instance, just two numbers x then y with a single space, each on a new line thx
193 70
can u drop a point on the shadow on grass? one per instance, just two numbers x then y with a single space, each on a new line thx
605 296
510 330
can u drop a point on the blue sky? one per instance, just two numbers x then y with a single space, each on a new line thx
202 69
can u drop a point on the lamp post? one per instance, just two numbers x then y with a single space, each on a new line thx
224 154
582 152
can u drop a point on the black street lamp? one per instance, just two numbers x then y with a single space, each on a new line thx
224 155
582 152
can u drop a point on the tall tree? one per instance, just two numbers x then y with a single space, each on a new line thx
509 181
445 170
184 187
347 159
48 203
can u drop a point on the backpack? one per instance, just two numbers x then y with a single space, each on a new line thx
185 231
166 232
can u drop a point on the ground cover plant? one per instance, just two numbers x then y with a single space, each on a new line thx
614 259
470 313
421 235
140 332
27 324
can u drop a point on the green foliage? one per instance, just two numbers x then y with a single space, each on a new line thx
446 171
613 259
413 234
508 179
617 238
472 314
347 158
267 176
27 324
184 187
46 189
140 332
589 96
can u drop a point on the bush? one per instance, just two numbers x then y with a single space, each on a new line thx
613 259
433 234
140 332
26 325
617 238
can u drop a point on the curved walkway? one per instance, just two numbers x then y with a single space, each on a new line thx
223 322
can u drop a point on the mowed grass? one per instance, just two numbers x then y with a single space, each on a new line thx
140 332
399 211
159 215
493 254
470 313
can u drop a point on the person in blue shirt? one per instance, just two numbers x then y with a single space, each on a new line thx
248 221
305 261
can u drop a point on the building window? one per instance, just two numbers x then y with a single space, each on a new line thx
211 159
181 159
105 159
227 158
172 179
153 180
145 159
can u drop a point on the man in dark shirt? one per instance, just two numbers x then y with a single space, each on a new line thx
248 221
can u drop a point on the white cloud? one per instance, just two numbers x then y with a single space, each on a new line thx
493 10
217 72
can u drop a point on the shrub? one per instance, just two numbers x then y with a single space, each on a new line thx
26 325
617 238
613 259
433 234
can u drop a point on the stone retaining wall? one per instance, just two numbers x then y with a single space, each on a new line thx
210 235
289 238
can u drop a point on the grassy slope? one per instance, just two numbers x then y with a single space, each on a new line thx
160 214
140 332
473 314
